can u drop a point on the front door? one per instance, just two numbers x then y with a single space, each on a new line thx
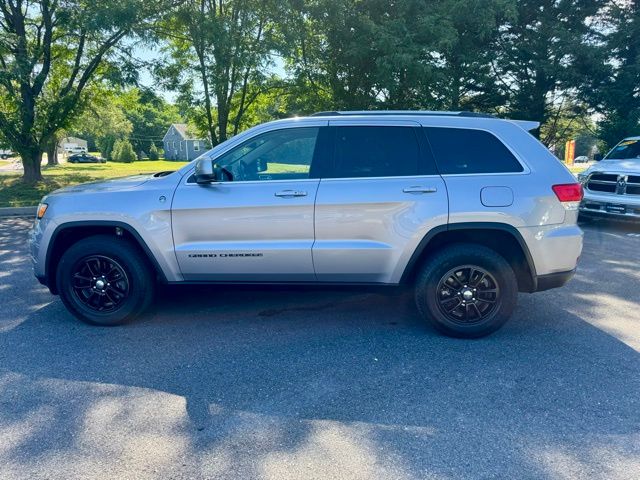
258 226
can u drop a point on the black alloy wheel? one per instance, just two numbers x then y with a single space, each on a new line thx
100 283
467 294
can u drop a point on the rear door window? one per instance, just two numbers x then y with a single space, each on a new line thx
466 151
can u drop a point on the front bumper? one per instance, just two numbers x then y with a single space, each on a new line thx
600 210
622 207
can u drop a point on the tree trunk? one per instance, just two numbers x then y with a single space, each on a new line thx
52 153
31 162
223 122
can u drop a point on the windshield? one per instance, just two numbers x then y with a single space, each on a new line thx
625 150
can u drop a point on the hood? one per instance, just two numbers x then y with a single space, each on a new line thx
616 166
113 184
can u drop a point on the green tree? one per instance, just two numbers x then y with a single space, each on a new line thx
569 121
123 152
613 90
154 153
349 54
537 53
216 50
103 121
50 51
149 115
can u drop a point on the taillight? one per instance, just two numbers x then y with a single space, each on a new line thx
570 194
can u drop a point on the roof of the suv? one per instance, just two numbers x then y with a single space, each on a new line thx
524 124
402 112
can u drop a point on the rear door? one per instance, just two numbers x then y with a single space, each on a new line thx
379 197
259 225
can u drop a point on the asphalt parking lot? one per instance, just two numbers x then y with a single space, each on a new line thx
290 383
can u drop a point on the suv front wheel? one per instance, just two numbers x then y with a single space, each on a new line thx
466 290
104 280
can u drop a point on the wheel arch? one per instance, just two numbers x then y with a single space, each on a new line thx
504 239
70 233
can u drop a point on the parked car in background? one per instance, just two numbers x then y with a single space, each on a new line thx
467 208
75 149
581 159
612 186
4 154
85 158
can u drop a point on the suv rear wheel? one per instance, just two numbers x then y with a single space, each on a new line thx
466 291
104 280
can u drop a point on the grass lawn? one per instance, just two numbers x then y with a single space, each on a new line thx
14 193
577 168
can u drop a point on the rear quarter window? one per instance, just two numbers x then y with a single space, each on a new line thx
466 151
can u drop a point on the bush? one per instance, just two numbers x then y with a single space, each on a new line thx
123 152
154 154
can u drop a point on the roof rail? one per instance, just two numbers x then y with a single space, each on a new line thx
403 112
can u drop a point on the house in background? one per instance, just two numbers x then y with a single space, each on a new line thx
72 145
180 145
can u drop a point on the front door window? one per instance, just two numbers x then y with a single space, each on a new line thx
277 155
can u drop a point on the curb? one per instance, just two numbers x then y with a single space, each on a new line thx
18 211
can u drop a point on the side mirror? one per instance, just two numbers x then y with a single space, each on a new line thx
208 172
597 157
205 171
261 166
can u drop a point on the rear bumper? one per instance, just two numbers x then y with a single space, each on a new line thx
553 280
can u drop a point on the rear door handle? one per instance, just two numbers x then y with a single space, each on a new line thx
419 189
290 193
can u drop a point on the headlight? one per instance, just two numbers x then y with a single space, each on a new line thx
42 209
582 177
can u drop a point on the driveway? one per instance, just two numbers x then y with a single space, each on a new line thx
295 383
14 164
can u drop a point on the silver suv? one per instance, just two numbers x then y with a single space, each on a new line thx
467 208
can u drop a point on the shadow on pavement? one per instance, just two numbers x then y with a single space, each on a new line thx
258 368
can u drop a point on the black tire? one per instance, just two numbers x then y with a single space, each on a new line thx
125 284
4 156
437 289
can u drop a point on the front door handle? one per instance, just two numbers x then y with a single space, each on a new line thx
290 193
419 189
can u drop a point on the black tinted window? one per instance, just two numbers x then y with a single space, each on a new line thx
375 152
461 150
625 150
